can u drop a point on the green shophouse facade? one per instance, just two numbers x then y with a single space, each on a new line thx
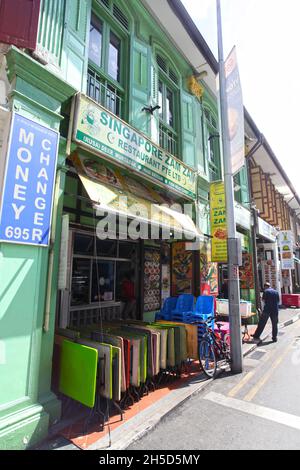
117 53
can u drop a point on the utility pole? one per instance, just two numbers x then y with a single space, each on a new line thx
233 245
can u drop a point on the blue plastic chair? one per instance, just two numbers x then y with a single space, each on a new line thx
202 328
204 305
204 310
184 308
166 312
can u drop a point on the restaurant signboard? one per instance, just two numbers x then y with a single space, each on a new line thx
99 130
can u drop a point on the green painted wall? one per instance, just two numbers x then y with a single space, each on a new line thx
26 348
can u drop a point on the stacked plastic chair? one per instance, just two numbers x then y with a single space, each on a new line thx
184 308
186 312
204 310
166 312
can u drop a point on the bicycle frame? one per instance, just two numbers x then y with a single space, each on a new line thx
220 346
218 343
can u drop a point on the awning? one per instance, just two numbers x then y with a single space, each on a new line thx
107 198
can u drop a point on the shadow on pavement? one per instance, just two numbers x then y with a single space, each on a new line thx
265 343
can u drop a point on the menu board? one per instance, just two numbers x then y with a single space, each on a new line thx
286 249
246 272
165 273
286 280
270 273
182 269
151 280
208 271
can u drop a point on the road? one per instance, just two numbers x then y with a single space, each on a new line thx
259 409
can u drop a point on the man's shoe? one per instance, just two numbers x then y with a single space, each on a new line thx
274 340
256 340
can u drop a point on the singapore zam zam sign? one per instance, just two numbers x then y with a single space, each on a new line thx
102 132
26 207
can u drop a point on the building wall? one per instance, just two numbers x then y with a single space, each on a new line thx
41 83
26 346
64 49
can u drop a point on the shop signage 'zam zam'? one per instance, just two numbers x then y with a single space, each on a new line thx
100 130
218 222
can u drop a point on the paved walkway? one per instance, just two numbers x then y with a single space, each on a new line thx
258 409
140 424
287 316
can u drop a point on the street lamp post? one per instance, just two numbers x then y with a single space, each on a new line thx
234 249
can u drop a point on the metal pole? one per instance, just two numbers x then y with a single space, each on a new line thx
232 243
254 215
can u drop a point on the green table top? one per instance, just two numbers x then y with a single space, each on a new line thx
78 372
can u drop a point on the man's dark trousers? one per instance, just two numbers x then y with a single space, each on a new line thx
262 323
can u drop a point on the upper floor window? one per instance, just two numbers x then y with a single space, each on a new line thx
168 102
95 44
106 59
213 149
114 57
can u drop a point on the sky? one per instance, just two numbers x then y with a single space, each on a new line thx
267 36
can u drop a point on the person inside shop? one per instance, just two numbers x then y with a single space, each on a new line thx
270 310
128 295
224 289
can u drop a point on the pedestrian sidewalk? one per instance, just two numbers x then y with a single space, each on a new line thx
287 316
135 425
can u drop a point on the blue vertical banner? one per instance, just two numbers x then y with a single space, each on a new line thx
27 198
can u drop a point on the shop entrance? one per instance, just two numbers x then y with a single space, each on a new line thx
117 279
104 276
268 264
106 330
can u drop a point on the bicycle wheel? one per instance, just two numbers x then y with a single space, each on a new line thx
207 358
226 341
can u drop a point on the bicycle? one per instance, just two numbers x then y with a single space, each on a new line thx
212 348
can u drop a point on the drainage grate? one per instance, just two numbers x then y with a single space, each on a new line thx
257 355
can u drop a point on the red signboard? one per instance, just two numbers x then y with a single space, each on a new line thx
19 22
291 300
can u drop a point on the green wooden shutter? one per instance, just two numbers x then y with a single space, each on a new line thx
75 45
244 185
140 86
205 136
237 188
200 155
188 128
51 25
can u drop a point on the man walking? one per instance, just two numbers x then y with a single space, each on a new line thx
270 310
